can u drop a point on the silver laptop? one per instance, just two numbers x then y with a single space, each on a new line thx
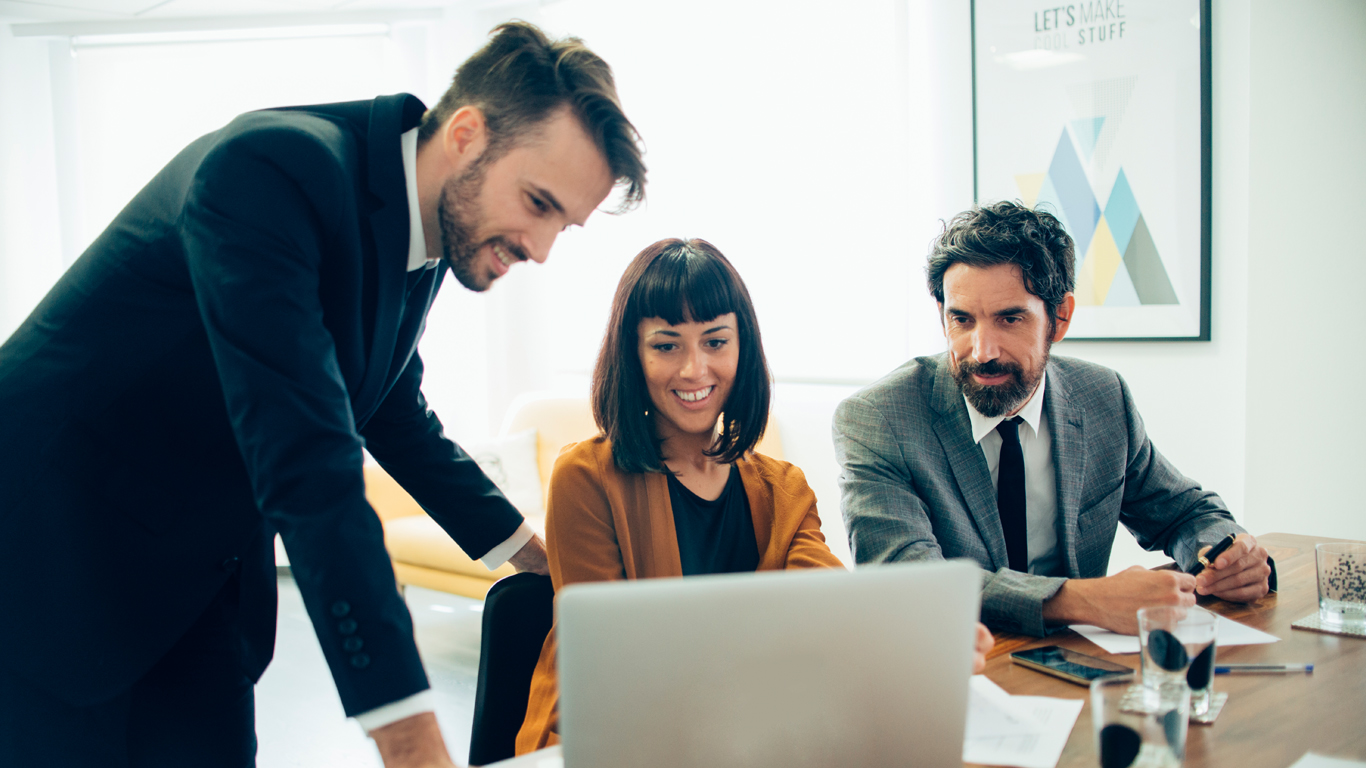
782 669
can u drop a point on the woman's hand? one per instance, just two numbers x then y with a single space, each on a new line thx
984 644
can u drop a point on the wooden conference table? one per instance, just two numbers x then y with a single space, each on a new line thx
1269 720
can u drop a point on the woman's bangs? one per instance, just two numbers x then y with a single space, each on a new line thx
685 286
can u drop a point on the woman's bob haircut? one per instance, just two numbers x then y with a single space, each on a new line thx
679 281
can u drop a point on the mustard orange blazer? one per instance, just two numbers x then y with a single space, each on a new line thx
603 524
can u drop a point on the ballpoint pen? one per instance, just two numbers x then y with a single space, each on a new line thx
1206 560
1261 669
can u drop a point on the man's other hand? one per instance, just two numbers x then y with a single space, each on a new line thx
1112 602
1240 573
413 742
983 646
531 558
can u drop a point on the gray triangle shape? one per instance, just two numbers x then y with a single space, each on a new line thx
1145 268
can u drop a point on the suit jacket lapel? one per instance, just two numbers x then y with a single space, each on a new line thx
390 116
954 430
1069 459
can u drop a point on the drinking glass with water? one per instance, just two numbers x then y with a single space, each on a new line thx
1342 584
1150 735
1178 652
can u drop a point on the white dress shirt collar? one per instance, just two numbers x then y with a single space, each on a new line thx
417 241
1032 413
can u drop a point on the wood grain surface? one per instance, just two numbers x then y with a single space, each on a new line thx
1270 720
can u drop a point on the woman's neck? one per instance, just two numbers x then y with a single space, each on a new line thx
685 456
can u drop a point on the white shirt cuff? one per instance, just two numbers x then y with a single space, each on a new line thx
500 554
391 713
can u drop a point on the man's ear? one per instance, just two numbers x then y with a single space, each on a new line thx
1065 310
942 327
464 137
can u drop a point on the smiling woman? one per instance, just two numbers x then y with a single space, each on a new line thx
672 487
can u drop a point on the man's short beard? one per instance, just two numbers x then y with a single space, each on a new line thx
998 399
460 216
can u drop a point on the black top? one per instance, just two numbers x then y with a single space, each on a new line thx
714 536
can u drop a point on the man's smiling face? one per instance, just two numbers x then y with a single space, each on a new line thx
497 213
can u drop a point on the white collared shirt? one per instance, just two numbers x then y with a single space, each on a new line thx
417 259
1041 481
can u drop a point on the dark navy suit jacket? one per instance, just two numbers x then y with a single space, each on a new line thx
206 374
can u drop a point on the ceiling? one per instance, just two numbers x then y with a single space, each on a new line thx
133 10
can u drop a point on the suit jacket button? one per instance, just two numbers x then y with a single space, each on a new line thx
347 626
341 608
360 661
230 564
352 644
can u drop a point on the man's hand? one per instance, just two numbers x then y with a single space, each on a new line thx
413 742
1240 573
531 557
1112 602
984 644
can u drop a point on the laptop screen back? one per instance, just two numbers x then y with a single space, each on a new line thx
791 668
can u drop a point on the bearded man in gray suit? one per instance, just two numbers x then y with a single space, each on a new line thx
1024 462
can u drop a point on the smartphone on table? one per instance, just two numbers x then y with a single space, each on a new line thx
1069 665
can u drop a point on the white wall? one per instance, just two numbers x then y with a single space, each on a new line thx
1305 364
30 224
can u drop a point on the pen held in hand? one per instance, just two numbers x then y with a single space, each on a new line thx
1262 669
1207 560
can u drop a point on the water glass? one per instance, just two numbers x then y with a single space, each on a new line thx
1342 583
1128 736
1178 648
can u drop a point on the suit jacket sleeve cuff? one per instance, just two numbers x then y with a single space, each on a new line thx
422 701
1013 601
504 552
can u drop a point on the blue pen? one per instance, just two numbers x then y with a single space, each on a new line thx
1261 669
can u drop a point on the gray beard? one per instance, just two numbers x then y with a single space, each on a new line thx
999 399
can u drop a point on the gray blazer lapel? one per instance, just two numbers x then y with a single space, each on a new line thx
969 466
1069 459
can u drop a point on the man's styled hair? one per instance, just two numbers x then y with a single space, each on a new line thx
520 77
680 282
1008 233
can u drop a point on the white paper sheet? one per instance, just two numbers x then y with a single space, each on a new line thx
1229 633
1022 731
550 757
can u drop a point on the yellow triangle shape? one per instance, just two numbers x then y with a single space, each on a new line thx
1029 184
1106 257
1086 284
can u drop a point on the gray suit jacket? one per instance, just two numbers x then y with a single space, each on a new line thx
914 485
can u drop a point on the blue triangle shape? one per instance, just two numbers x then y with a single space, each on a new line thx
1073 189
1087 131
1121 211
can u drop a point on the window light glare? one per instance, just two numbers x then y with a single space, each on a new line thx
229 35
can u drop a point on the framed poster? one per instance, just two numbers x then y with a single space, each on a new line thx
1099 112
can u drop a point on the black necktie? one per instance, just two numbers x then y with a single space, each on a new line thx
1010 495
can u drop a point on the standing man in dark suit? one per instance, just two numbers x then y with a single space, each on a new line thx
1024 462
207 374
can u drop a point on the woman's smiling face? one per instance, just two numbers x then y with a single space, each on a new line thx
689 369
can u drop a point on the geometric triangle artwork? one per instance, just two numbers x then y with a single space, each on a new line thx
1145 268
1121 210
1049 201
1122 293
1073 191
1117 260
1029 185
1087 130
1100 265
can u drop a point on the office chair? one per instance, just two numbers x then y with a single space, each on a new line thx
518 612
